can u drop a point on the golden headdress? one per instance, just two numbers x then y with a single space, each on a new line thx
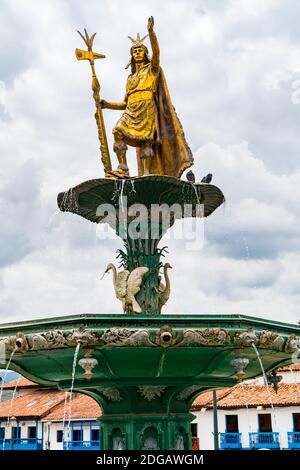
137 42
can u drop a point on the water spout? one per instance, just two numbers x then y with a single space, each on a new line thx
132 186
69 395
266 383
10 411
5 373
261 365
69 201
53 216
121 200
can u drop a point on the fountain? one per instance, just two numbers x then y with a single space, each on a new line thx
143 367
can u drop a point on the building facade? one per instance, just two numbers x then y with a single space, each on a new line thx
35 418
251 415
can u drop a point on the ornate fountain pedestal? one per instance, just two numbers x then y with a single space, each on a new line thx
145 369
141 210
145 372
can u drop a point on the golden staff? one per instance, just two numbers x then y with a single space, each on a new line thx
91 56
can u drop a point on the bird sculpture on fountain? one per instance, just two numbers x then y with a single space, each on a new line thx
127 285
164 289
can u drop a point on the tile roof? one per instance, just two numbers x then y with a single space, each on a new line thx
293 367
205 400
49 404
35 404
83 407
241 396
22 383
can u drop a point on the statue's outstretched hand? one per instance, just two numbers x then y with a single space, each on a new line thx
150 24
104 104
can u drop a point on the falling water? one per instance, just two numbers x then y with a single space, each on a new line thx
65 415
115 193
52 216
132 186
121 202
266 384
196 192
69 201
71 392
5 373
246 246
10 411
261 365
200 208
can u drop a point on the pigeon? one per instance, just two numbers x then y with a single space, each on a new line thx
190 176
207 178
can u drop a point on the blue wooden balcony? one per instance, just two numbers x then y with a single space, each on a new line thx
230 440
81 445
264 440
293 440
21 444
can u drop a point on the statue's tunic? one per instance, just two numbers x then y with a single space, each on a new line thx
139 122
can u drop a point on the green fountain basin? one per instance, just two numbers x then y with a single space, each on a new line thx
148 370
196 349
85 198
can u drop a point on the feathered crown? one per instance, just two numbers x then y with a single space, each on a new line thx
138 41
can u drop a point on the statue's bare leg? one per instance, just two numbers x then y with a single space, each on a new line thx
120 149
147 153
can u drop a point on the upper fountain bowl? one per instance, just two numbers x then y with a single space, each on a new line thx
86 198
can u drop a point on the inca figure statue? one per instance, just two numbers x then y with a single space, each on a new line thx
149 121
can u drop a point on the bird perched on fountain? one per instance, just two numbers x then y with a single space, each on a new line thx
127 285
190 176
207 178
164 289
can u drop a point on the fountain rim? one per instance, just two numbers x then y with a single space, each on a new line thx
238 320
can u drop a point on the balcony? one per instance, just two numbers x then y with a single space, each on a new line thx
293 440
230 440
21 444
264 440
81 445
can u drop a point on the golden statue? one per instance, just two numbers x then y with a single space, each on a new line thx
149 121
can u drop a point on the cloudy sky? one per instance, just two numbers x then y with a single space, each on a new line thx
233 69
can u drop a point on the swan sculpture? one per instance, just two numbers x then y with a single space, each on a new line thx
164 290
127 285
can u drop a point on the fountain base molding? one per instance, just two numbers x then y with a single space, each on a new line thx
146 372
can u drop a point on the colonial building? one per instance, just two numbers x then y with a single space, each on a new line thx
251 415
38 418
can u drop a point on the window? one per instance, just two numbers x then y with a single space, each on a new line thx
16 432
296 420
95 435
2 433
265 423
194 429
59 436
232 423
31 432
77 435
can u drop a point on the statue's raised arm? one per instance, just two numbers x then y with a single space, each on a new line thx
154 45
149 121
